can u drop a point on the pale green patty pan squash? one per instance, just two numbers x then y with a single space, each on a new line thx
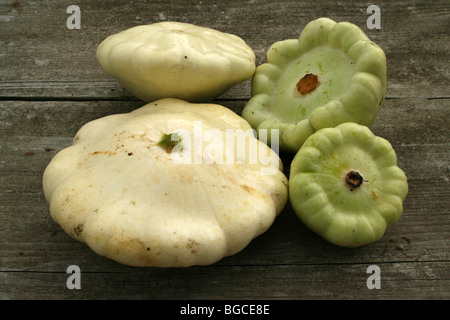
332 74
346 186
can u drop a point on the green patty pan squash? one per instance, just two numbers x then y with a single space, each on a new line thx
176 60
332 74
346 186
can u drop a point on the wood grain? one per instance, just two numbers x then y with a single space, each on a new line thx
45 59
51 85
337 281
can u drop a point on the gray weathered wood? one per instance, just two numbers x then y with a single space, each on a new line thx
33 243
284 281
51 84
41 57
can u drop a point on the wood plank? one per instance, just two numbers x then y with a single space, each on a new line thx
411 280
41 58
44 128
51 84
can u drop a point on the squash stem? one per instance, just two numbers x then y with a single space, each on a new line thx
354 179
307 84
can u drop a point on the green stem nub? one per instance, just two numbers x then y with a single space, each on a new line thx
307 84
169 141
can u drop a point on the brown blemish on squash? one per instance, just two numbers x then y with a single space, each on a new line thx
67 199
276 195
78 229
252 191
131 243
226 217
307 84
192 245
109 153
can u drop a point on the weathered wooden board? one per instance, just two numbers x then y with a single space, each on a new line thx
41 57
51 84
330 281
36 250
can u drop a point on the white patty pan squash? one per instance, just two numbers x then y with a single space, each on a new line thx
333 73
176 60
119 189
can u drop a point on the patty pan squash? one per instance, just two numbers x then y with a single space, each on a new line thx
176 60
332 74
346 186
120 190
